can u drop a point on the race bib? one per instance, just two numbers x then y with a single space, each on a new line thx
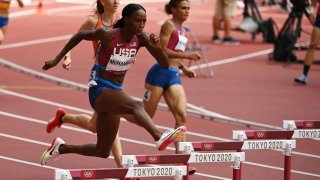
182 44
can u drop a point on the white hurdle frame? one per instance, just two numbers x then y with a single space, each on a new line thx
131 172
237 157
269 139
131 160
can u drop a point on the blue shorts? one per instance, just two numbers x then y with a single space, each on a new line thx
3 21
157 76
317 23
97 85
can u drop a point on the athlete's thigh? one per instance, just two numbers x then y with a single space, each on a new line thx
114 102
151 98
176 97
107 128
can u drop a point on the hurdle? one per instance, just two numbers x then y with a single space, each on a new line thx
237 146
189 147
301 124
236 157
272 139
131 172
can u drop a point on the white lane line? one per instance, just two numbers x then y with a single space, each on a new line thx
27 162
90 112
47 144
124 139
191 109
35 42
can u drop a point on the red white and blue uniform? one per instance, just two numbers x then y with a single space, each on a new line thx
115 60
165 78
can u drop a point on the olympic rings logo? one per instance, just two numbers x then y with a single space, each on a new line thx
309 124
152 159
260 134
207 146
88 174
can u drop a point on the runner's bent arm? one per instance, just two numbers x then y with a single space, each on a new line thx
152 43
99 34
166 30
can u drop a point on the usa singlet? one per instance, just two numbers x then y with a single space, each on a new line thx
118 58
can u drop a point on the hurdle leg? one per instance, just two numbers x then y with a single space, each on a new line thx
61 174
287 162
236 168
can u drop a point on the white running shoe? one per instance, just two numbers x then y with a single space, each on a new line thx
52 152
302 79
169 137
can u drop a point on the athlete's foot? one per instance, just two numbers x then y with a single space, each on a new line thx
56 121
169 137
52 152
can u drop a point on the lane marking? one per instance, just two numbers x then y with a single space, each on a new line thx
35 42
90 112
36 87
47 144
191 109
148 144
27 162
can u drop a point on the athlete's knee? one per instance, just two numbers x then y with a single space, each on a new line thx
181 118
137 105
92 124
92 127
102 153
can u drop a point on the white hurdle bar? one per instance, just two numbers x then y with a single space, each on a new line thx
269 139
131 160
132 172
236 157
301 124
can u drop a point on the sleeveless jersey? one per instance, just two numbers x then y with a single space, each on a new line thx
118 58
178 41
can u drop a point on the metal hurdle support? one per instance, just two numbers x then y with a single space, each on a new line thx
132 160
238 157
195 46
272 140
131 172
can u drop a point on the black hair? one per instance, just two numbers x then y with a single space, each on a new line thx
100 8
127 12
171 4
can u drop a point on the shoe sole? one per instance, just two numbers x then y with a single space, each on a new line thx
177 135
48 150
299 81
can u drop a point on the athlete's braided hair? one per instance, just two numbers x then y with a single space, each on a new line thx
127 12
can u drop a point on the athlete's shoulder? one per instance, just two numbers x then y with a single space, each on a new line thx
90 23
